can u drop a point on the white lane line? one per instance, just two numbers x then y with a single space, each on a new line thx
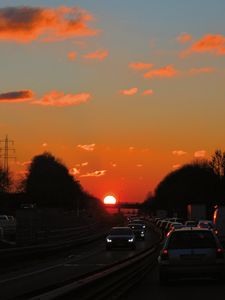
31 273
78 265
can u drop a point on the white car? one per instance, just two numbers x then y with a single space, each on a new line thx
191 252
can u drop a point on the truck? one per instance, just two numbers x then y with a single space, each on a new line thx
219 222
196 212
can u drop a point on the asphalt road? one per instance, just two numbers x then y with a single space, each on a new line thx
190 289
77 262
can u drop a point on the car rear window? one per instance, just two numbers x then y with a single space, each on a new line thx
191 240
121 231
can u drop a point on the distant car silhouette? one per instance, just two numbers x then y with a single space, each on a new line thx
137 230
120 237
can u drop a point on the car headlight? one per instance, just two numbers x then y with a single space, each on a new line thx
143 226
142 233
131 240
108 240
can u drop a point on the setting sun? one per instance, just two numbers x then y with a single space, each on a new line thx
110 200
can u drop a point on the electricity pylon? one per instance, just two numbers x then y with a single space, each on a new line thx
7 152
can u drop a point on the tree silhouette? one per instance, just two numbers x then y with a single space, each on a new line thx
49 184
192 183
218 163
5 181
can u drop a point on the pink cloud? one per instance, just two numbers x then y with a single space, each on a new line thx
17 96
167 71
209 43
179 152
72 55
140 66
129 92
99 55
90 147
74 171
59 99
97 173
176 166
131 148
139 165
25 24
184 38
200 154
147 93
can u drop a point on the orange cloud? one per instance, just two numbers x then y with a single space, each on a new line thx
129 92
131 148
17 96
167 71
175 167
139 165
211 43
74 171
72 55
95 174
25 24
99 55
147 93
179 152
90 147
60 99
140 66
201 70
200 154
184 38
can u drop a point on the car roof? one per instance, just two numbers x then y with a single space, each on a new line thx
121 227
191 229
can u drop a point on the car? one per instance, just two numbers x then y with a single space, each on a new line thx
138 230
191 223
138 221
191 252
120 237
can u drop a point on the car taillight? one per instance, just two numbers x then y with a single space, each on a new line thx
216 231
219 253
165 254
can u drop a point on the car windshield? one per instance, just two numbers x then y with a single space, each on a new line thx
121 231
136 226
191 240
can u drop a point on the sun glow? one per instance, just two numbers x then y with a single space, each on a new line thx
110 200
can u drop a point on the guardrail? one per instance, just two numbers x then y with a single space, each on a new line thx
24 253
108 283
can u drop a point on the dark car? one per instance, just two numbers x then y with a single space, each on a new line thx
137 230
120 237
189 252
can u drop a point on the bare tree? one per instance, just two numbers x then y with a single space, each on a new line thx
217 163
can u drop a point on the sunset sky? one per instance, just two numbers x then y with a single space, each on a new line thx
123 92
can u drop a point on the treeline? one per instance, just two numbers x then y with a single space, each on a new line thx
47 184
199 182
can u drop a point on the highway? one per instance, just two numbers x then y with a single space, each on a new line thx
54 271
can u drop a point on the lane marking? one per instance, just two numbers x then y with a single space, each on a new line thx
30 273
